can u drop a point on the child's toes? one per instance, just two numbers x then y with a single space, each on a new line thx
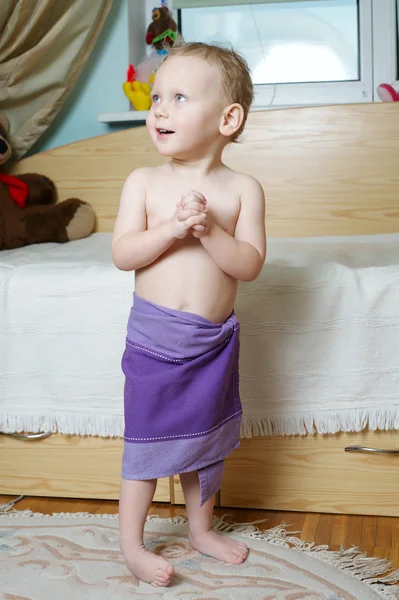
237 560
240 553
161 578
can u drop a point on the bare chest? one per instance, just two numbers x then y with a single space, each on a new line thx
223 204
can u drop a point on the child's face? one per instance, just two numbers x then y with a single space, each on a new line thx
187 107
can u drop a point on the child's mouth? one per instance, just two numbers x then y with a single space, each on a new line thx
164 132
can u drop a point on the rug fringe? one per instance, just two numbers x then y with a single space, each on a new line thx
372 571
9 506
369 570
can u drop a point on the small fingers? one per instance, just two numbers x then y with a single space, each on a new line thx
198 231
183 215
192 196
196 220
195 205
194 193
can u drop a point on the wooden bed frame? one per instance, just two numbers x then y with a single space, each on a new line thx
326 171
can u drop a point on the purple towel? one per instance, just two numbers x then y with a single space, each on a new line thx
182 403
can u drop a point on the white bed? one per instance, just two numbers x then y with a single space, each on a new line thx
64 311
319 337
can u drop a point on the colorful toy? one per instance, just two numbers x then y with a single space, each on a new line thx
387 93
140 79
29 213
162 31
138 92
146 69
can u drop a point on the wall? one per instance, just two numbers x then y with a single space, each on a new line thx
99 88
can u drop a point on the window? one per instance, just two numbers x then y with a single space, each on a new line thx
302 52
285 42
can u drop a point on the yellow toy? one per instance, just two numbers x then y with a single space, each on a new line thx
138 92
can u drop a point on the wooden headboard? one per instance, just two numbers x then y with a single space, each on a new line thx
331 170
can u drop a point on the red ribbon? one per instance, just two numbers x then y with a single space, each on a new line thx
17 188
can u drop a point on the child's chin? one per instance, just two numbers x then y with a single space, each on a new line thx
166 152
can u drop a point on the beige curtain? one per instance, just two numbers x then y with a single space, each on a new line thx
44 44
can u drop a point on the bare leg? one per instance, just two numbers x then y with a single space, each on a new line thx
135 500
201 536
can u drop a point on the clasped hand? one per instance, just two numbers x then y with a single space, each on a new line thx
191 215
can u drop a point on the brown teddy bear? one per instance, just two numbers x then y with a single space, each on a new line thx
162 30
28 213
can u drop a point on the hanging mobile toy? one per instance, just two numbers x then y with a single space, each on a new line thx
162 31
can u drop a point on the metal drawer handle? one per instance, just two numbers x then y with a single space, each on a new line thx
365 449
29 436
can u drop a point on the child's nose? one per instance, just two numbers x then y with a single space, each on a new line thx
161 109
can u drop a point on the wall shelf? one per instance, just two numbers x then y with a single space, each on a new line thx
123 117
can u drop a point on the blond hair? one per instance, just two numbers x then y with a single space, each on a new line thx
234 71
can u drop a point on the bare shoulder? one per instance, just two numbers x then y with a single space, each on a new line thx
138 182
140 176
249 188
250 185
245 183
143 177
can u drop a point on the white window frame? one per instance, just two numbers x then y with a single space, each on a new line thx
385 44
378 62
328 92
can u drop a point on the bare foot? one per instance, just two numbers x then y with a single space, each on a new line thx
219 546
148 567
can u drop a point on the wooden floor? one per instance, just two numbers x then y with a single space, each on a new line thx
377 536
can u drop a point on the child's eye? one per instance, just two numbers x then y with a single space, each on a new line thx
155 98
180 98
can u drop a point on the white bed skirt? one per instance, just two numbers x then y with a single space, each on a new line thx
319 337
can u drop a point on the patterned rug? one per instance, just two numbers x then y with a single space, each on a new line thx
77 556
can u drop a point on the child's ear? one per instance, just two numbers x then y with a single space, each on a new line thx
232 119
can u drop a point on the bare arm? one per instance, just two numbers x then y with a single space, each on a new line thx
243 255
133 245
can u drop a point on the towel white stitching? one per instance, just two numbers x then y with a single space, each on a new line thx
167 437
179 360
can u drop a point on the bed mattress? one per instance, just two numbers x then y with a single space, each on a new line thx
319 337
